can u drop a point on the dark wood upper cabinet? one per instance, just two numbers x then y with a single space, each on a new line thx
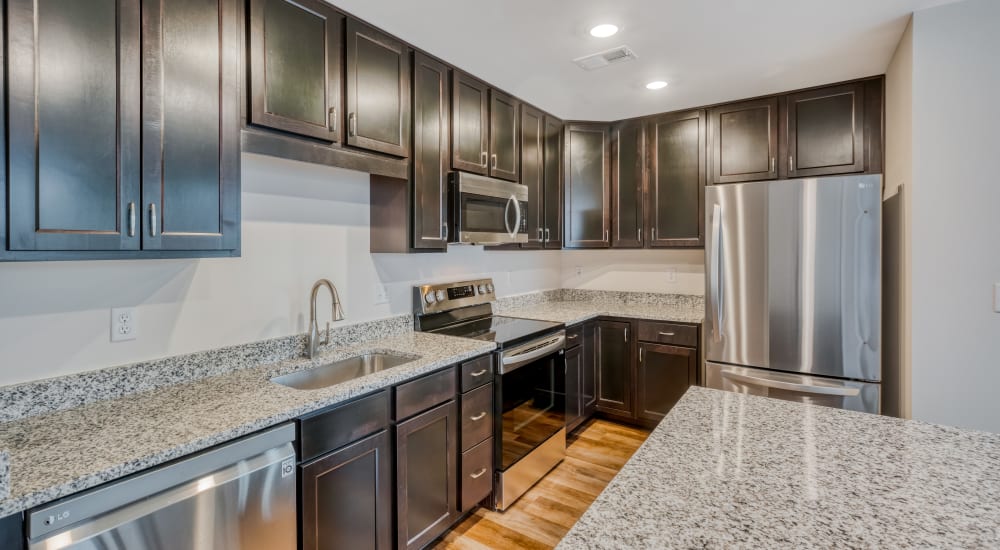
470 108
664 373
190 124
553 177
587 187
296 71
628 172
613 353
378 91
73 84
431 151
504 136
426 475
824 131
743 141
675 198
533 172
346 497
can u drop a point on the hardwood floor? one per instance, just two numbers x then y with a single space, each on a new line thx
547 511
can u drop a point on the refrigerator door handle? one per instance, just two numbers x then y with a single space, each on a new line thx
791 386
715 279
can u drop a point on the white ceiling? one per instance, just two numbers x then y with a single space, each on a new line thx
709 51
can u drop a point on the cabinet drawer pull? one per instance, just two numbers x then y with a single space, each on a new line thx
478 474
331 121
483 159
478 417
352 124
478 373
666 334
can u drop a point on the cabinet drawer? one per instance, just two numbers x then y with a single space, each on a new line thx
477 372
477 416
574 336
476 482
668 333
331 429
424 393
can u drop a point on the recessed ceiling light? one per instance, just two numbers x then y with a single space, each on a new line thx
656 85
603 31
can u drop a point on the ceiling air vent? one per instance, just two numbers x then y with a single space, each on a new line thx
605 58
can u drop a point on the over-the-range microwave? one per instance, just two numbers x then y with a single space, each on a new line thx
486 210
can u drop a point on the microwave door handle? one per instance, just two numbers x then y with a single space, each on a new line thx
517 217
715 276
506 214
842 391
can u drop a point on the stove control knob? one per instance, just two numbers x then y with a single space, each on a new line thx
482 289
489 287
429 297
440 295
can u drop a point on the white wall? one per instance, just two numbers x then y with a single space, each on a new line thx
301 222
637 270
955 226
899 172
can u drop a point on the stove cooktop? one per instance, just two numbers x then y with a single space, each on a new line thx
502 330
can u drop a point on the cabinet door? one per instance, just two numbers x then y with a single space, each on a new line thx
504 137
470 104
426 471
533 172
574 387
553 183
346 497
675 213
588 380
627 182
378 91
587 186
430 153
73 81
743 141
190 125
824 131
614 368
296 72
664 374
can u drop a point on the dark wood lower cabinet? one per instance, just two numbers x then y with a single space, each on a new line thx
663 374
574 387
613 355
347 497
426 472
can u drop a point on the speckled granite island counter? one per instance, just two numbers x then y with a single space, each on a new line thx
177 406
725 470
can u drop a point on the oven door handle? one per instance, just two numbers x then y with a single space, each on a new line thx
515 359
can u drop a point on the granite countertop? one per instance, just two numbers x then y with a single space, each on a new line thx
737 471
676 308
54 455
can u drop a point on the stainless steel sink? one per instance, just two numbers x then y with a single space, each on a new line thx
341 371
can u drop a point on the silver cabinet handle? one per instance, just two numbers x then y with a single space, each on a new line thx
444 231
666 334
791 164
547 235
772 164
626 335
352 124
607 235
331 120
478 373
640 353
541 234
483 159
493 162
131 219
152 219
652 234
478 417
638 234
478 474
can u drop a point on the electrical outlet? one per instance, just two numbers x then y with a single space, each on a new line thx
124 324
671 275
381 294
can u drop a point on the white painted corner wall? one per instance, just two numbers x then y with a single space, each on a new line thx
955 259
301 222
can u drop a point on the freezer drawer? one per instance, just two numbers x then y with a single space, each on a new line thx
815 390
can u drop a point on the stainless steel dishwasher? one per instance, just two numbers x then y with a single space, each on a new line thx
241 495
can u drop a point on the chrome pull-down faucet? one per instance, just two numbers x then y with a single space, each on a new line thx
338 315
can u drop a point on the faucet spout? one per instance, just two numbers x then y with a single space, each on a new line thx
337 314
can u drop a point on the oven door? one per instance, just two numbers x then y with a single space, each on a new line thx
530 398
488 211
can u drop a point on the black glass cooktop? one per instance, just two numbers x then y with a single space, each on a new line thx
502 330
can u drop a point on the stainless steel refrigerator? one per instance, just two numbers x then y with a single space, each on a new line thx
793 290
